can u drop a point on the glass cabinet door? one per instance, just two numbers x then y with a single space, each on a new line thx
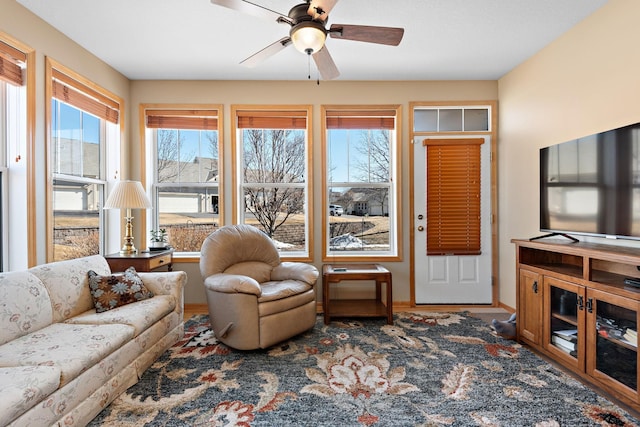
612 331
564 317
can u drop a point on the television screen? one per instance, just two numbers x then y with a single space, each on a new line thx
591 185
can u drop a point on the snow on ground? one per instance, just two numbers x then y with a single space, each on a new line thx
346 241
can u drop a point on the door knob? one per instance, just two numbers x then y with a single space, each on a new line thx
420 228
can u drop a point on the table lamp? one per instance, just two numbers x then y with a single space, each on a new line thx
128 195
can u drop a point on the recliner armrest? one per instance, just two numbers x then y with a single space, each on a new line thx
232 284
295 271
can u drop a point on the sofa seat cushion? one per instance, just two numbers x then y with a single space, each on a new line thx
22 387
140 315
72 348
272 291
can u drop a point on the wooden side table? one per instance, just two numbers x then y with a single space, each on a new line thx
142 261
335 273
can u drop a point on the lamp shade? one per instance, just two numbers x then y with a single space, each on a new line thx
308 37
128 195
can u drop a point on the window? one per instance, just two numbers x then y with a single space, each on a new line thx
360 175
14 189
451 119
186 169
84 143
273 174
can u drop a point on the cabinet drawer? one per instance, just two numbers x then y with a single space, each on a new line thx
159 261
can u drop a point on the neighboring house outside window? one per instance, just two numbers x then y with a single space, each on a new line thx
272 175
360 174
184 169
84 144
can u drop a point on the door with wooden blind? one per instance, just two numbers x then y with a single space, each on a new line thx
452 220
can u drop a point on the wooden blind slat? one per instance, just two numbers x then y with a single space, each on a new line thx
453 197
186 123
360 119
11 62
84 102
260 122
361 113
10 72
361 123
271 113
83 88
183 113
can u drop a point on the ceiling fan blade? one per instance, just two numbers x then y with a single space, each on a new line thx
319 9
364 33
252 9
265 53
325 64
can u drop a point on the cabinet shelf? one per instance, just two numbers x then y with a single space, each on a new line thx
572 320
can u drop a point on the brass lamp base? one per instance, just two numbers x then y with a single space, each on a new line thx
128 248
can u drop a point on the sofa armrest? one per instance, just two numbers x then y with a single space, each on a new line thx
295 271
233 284
166 283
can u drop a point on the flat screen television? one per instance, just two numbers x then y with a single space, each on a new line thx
591 185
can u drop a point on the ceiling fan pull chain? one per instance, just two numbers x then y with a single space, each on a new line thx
309 63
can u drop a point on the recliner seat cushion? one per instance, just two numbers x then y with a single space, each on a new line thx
269 308
281 289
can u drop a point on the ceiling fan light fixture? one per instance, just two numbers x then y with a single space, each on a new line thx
308 37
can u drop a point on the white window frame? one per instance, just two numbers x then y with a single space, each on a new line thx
305 255
394 253
109 152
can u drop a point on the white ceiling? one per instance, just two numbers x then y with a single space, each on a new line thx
196 40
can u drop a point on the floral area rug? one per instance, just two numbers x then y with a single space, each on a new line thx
428 369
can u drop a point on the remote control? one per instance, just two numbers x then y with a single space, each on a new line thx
632 281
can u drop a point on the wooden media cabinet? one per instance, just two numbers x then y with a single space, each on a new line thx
574 306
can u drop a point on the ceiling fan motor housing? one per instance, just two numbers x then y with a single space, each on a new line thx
307 34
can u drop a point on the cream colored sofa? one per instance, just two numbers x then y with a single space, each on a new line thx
61 363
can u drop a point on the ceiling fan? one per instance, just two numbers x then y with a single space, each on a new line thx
308 32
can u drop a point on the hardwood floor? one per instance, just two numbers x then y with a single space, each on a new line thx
484 313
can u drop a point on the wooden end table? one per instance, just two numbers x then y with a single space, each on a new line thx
335 273
142 261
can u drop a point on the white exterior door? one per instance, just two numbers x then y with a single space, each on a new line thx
451 279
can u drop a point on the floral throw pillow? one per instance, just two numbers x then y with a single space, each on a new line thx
116 290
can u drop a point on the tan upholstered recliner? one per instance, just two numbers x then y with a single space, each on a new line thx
255 300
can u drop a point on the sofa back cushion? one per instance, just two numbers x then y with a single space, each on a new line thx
68 284
25 305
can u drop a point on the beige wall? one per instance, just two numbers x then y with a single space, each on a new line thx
306 92
585 82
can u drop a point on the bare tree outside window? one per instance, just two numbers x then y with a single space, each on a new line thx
373 163
274 168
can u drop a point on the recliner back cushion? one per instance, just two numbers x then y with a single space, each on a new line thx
233 244
68 284
25 306
258 271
